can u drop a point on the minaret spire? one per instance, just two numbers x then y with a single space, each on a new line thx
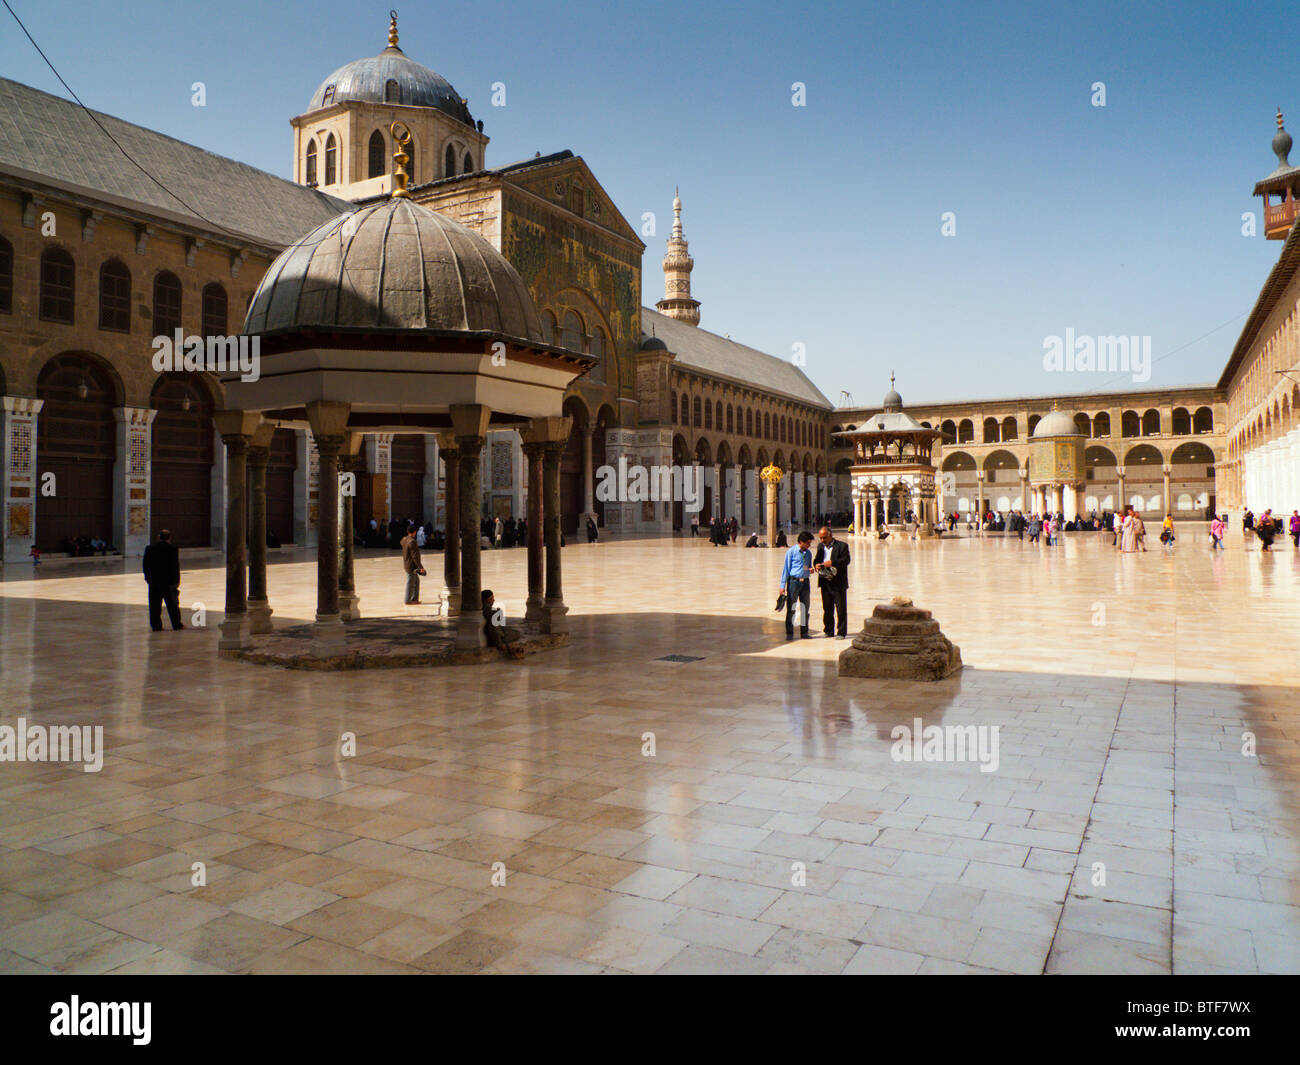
678 264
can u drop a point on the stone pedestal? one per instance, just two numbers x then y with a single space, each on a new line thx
900 642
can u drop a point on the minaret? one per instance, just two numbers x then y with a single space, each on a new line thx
678 264
1281 189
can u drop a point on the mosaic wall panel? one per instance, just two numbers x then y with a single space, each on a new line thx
502 464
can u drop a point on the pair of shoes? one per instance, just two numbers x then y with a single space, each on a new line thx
828 635
804 634
178 628
842 636
789 635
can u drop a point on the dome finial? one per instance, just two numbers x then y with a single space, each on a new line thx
392 29
400 159
1281 142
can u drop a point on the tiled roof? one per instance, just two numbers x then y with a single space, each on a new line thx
699 349
53 137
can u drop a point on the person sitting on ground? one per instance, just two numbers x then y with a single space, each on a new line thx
781 540
503 637
753 539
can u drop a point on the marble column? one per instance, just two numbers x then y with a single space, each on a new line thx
259 606
536 607
449 451
588 494
351 461
1167 471
554 619
1119 490
470 422
873 499
1024 490
236 429
329 427
19 489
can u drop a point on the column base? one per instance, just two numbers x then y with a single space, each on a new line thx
536 608
469 633
349 606
554 619
234 633
259 617
328 637
453 601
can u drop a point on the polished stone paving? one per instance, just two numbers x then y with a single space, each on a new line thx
770 831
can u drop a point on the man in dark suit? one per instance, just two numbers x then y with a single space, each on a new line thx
162 572
831 564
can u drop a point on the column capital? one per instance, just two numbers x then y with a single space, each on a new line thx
236 425
330 444
135 415
21 404
447 441
470 419
532 447
328 418
542 430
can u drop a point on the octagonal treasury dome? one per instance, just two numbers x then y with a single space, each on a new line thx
394 265
390 78
1058 423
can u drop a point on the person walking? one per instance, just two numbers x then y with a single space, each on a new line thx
831 564
414 570
695 525
162 572
1035 528
1295 528
1128 530
796 574
1167 534
1218 529
592 533
1266 530
1140 530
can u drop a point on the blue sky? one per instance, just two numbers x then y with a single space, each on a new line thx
818 225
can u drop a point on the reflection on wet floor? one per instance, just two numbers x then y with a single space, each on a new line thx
1130 825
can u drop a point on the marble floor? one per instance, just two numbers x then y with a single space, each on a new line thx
512 817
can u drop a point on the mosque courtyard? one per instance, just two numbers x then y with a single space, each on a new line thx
598 807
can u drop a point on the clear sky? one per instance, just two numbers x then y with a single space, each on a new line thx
818 225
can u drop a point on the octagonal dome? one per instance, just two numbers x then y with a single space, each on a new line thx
368 81
1058 423
394 265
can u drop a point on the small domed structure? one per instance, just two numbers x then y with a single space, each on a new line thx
893 402
653 343
394 265
1058 423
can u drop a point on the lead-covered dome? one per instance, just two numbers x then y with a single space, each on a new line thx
1058 423
394 265
390 77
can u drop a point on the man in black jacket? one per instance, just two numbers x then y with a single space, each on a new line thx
831 564
162 572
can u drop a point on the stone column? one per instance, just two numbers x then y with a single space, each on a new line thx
588 493
236 429
554 620
1167 470
979 517
874 499
351 461
329 426
450 453
470 422
1024 489
536 608
259 606
1119 490
772 487
19 489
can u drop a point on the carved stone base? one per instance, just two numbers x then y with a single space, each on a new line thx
349 606
900 642
469 632
536 608
453 601
259 617
234 633
554 619
328 637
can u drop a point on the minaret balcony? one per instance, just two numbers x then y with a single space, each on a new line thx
1278 218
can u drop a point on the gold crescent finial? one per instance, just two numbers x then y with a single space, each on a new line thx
392 29
400 159
1279 117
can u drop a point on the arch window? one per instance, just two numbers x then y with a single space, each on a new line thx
749 422
392 92
1083 423
449 162
377 150
708 415
115 297
991 428
215 314
717 415
966 432
1101 425
331 160
767 425
468 166
1151 423
1203 420
673 404
731 419
166 304
58 286
1009 429
572 332
548 327
6 277
1130 424
1034 419
699 416
310 169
